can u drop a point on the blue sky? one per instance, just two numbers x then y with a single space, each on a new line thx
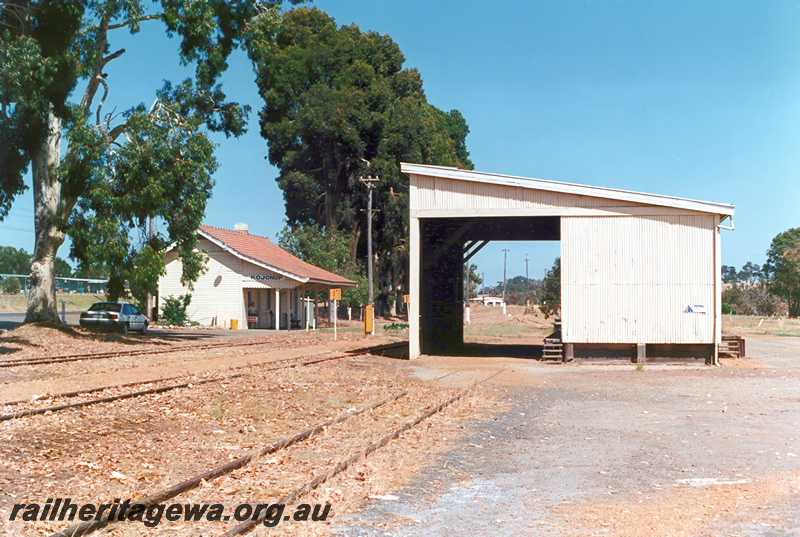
684 98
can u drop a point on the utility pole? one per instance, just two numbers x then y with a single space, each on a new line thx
370 184
526 270
527 282
483 280
505 256
148 310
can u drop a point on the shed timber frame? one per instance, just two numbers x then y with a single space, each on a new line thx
640 271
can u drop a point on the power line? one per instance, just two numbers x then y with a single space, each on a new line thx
21 209
15 215
16 229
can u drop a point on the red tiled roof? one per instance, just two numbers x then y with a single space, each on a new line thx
264 252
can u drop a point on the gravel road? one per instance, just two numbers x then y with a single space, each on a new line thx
589 449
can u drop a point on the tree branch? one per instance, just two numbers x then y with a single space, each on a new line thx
110 57
100 46
105 94
132 21
114 133
15 10
123 24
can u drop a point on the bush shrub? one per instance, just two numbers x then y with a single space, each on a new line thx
10 285
173 311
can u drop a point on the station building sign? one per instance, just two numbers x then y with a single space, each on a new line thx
266 277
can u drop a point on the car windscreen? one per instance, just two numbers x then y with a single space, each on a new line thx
106 306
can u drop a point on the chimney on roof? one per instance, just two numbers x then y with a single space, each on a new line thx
240 228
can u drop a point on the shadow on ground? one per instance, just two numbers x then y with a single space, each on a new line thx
497 350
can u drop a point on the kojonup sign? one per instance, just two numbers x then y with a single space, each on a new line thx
266 277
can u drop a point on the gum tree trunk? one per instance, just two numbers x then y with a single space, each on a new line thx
49 218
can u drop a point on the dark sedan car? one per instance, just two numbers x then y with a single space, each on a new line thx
116 315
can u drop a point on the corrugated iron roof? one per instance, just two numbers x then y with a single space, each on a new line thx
261 251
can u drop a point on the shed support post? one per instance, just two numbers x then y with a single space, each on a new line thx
569 352
414 347
717 295
641 355
277 309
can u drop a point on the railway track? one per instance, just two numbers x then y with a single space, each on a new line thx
247 526
42 360
190 381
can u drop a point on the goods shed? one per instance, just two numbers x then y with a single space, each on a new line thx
249 282
640 272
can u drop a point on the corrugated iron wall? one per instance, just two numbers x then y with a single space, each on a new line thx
628 279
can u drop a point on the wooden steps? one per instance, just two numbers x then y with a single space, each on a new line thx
553 348
732 345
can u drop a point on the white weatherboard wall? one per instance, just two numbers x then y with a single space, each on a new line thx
217 293
628 279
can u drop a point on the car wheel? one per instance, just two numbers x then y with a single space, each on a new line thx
144 328
125 329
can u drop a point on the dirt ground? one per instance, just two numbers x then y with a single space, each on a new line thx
134 447
541 449
586 449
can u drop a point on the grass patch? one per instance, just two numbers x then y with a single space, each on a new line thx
505 331
751 324
74 302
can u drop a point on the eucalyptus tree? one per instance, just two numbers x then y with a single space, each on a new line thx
338 104
97 175
782 268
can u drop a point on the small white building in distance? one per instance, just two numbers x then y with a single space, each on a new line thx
482 300
249 282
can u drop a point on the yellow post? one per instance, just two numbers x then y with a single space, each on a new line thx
368 320
234 324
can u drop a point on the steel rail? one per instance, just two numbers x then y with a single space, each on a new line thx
194 482
41 360
77 393
249 525
162 389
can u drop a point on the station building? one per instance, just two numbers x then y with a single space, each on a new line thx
249 282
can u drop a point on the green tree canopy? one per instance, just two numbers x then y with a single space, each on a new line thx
63 269
114 172
782 268
338 104
10 285
474 279
750 273
551 297
729 274
13 261
327 249
18 261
